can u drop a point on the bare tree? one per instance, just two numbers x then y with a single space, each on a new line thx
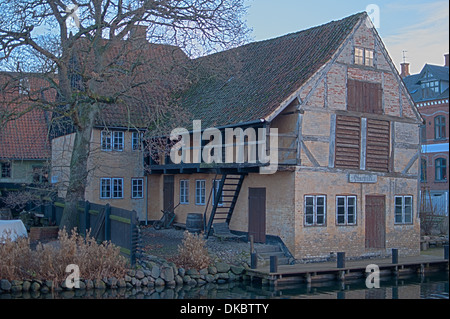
84 50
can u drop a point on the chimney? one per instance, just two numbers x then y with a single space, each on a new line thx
138 32
446 59
405 70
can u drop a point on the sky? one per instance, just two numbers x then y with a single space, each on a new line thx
420 27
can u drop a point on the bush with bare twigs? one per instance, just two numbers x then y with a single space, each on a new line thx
193 253
48 262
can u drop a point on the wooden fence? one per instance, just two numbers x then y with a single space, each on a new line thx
105 222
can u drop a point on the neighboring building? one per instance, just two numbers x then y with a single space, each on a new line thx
348 156
430 91
116 161
24 143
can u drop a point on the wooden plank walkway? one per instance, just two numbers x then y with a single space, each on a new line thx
326 271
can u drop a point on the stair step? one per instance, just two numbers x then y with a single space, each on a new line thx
268 248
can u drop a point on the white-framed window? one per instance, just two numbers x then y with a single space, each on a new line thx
368 55
117 187
106 141
403 209
136 140
137 188
315 210
364 57
200 192
184 192
105 188
359 56
118 140
346 210
111 188
216 185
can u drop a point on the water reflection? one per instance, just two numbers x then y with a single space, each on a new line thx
415 287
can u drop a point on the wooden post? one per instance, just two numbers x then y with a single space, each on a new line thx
87 217
107 222
446 252
252 244
273 264
341 260
395 256
253 261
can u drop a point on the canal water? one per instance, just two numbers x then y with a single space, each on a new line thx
432 286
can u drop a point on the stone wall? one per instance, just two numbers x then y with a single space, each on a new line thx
151 273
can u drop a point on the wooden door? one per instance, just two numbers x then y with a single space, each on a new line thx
168 192
375 221
257 214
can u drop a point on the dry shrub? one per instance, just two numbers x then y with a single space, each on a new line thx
49 262
193 253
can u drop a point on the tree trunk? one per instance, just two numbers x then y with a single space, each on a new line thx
78 167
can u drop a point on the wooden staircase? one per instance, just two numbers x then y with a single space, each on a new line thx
224 201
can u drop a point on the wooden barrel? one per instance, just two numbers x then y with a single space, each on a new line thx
194 223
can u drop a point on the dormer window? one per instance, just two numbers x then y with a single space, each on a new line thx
364 57
430 89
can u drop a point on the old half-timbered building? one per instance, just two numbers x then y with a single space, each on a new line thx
348 149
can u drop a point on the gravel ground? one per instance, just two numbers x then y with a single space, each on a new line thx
164 243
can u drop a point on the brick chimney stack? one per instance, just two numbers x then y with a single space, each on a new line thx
446 59
405 70
139 32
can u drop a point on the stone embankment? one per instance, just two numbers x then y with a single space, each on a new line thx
150 272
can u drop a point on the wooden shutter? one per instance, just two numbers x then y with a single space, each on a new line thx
348 142
378 145
364 97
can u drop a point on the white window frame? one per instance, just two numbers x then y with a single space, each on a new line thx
117 193
200 192
104 188
359 59
106 141
365 59
137 188
216 185
136 140
118 141
403 207
315 210
184 192
346 210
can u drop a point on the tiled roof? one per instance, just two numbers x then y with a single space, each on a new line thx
413 82
249 82
157 74
26 137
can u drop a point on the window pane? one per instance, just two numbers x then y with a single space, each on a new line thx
351 210
309 210
105 188
359 56
106 141
320 207
341 210
369 58
408 210
398 210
